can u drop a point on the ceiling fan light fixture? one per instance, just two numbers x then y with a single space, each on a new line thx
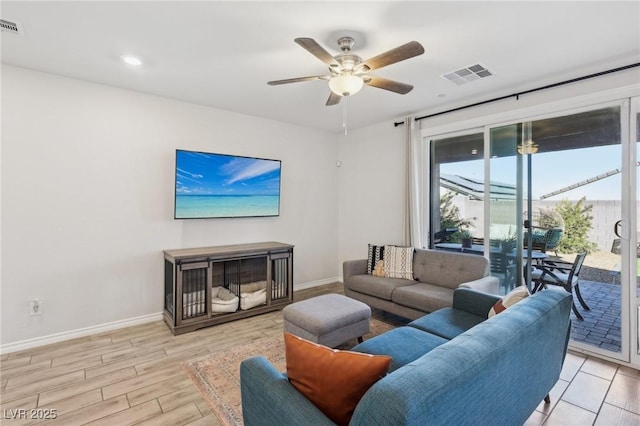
528 147
346 84
347 71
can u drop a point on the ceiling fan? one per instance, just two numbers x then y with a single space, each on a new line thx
348 72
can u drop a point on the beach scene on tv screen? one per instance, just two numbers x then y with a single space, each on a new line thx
217 185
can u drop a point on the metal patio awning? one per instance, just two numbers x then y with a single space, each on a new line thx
474 188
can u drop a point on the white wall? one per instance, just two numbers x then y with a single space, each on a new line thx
371 189
591 91
87 199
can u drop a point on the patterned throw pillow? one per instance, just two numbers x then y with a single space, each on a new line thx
510 299
398 262
375 254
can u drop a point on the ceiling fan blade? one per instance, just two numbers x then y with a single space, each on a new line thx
400 53
316 50
333 99
383 83
298 80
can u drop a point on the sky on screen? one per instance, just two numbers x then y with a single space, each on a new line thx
213 174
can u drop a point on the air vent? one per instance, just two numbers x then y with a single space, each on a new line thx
467 74
8 26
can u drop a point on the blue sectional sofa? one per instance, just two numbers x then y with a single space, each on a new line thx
451 367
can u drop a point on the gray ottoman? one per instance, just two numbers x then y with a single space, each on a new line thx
330 319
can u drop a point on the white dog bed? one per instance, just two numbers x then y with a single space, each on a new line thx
223 301
253 294
193 304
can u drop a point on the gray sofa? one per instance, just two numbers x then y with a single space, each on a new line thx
436 273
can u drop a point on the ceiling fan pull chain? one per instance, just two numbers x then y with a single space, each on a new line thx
345 102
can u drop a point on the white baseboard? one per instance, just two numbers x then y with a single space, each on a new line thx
74 334
312 284
82 332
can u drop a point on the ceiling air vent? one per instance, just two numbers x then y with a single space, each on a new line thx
467 74
8 26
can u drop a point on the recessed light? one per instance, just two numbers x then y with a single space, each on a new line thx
131 60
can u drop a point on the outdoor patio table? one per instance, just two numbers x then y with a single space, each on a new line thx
536 255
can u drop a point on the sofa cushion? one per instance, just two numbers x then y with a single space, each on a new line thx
424 297
448 269
510 299
375 253
398 262
403 344
473 301
337 380
380 287
447 322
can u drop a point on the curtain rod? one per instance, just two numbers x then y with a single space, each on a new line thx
517 95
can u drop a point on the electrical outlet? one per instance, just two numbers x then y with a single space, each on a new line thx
35 307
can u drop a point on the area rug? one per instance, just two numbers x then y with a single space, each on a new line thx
217 376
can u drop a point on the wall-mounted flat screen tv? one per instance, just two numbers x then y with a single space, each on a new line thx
221 186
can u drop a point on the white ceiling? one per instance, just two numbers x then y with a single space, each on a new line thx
222 54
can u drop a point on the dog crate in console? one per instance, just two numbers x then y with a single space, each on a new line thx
211 285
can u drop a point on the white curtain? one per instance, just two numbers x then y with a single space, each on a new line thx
414 199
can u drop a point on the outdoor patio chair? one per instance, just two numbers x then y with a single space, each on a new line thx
544 239
504 267
564 274
444 235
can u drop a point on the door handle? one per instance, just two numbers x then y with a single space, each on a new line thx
617 228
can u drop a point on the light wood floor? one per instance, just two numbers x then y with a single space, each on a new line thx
133 376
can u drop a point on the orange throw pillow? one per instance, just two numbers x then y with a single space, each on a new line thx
333 380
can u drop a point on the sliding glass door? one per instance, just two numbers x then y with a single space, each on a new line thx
567 173
556 188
